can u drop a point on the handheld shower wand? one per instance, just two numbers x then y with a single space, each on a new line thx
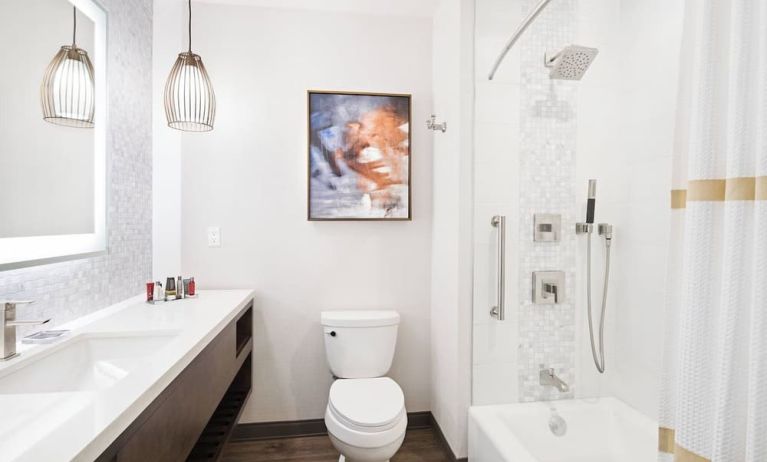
605 230
591 202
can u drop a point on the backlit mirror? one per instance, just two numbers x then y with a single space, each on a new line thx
52 176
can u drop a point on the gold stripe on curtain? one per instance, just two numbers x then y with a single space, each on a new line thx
761 188
678 198
730 189
740 189
667 444
666 440
683 455
706 190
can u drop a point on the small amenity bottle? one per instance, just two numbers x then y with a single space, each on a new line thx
170 289
179 288
159 294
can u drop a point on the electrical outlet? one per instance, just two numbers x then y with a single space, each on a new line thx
214 236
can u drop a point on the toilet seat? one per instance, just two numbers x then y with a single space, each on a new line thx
367 404
366 413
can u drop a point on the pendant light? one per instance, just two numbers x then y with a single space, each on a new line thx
67 92
190 103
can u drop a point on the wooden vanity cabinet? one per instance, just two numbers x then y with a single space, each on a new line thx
194 416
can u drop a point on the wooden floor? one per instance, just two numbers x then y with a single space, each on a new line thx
421 445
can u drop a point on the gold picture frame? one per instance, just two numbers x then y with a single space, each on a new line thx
345 182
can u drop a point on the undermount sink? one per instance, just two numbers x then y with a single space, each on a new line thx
88 362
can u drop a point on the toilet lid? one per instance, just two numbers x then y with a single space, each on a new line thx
367 402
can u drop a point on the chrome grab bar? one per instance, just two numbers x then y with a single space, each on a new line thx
499 310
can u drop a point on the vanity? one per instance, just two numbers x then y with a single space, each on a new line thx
132 382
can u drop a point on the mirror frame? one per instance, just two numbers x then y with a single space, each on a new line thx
17 252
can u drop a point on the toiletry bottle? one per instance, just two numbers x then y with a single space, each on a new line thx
179 288
192 292
149 291
186 288
159 294
170 289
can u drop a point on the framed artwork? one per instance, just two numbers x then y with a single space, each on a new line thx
359 156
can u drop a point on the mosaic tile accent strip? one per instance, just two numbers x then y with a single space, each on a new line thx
547 182
71 289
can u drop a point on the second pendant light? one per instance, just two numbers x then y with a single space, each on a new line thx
190 103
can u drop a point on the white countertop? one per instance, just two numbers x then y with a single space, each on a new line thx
63 426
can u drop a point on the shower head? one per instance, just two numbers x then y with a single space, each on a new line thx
571 62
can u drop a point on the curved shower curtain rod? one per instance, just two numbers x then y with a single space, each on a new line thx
520 30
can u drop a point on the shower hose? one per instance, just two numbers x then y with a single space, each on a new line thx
599 359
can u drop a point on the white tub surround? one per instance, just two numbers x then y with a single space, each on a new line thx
72 399
597 430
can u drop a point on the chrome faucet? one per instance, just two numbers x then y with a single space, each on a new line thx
9 325
549 379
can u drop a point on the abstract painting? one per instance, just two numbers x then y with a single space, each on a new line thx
359 156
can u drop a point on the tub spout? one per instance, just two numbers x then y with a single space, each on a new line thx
549 379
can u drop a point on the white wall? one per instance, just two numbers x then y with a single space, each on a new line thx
248 176
451 245
169 29
525 142
626 135
496 187
409 8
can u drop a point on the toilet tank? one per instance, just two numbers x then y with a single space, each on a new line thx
359 344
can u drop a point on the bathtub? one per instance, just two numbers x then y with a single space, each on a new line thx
597 430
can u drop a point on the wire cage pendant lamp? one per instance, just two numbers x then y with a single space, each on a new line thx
190 103
67 93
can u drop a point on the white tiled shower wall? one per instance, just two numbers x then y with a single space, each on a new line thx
525 149
537 143
626 128
71 289
546 185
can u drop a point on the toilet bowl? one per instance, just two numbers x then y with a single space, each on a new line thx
365 415
366 418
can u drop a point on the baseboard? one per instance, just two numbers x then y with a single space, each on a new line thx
433 423
282 429
315 427
312 427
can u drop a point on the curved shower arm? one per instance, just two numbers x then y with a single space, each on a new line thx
520 30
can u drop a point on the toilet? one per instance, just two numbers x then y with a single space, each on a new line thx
365 416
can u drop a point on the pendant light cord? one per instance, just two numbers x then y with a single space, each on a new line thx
190 26
74 27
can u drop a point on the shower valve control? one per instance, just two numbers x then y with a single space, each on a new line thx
548 287
547 227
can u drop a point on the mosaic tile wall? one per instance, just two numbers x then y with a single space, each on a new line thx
68 290
547 177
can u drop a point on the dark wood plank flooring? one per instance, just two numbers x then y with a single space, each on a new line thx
421 445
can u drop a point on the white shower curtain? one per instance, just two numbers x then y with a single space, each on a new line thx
714 386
